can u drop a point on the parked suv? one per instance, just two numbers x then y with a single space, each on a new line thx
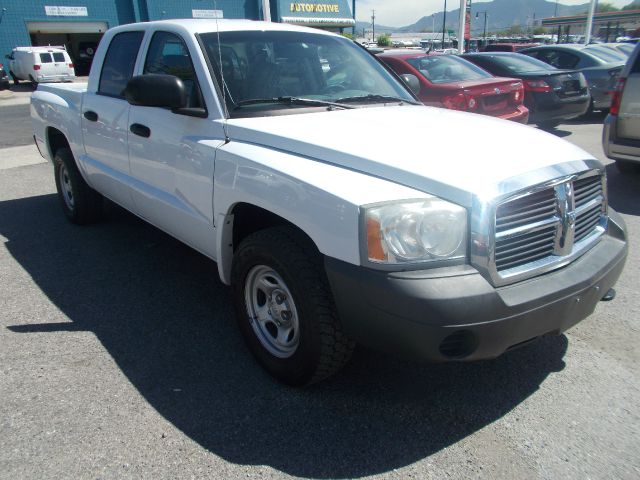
41 64
621 134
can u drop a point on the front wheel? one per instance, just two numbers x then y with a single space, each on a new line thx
284 307
80 203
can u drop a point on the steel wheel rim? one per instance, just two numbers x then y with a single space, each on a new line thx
272 311
65 187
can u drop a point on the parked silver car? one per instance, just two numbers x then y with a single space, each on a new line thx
621 134
600 66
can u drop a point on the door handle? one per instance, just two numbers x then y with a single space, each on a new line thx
91 116
140 130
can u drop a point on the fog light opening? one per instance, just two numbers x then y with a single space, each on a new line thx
458 345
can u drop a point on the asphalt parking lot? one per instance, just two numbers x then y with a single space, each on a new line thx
119 358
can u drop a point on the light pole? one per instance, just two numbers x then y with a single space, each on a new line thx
373 25
444 22
484 30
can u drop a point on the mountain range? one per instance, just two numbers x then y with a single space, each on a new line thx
501 14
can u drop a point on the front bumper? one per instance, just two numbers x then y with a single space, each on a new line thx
456 314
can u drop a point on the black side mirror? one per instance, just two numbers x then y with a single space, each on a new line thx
153 90
412 82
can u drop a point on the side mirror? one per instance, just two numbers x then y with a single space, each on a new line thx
153 90
412 82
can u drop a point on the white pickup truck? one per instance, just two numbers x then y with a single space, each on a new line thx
436 234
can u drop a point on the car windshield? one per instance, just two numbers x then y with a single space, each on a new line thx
518 63
255 66
605 54
447 69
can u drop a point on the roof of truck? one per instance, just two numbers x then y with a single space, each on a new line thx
194 26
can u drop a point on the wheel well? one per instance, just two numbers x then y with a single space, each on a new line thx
248 219
56 140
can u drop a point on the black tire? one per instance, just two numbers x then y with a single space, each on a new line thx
322 348
80 203
34 84
627 167
15 79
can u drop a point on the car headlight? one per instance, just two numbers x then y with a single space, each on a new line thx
415 231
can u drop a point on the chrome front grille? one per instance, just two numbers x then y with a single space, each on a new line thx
544 227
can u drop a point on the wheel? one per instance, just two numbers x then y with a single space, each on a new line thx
80 203
627 167
589 113
15 79
548 125
284 307
33 81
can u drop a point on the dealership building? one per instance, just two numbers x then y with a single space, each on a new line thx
79 24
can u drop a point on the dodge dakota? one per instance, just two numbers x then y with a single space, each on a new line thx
437 235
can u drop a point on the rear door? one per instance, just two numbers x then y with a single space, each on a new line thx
60 64
105 123
47 67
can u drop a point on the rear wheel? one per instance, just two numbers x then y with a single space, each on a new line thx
80 203
284 307
33 81
15 79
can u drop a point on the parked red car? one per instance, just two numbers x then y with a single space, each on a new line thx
449 81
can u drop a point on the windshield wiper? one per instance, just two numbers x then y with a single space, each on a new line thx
291 101
376 98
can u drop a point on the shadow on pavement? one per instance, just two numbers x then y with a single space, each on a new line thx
623 190
160 312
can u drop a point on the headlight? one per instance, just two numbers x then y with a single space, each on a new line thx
415 231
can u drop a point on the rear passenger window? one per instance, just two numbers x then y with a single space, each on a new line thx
58 57
168 55
45 58
119 62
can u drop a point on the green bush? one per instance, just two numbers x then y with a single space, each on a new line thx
384 40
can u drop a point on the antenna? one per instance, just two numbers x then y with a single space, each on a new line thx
224 84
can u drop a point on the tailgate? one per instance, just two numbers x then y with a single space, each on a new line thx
628 125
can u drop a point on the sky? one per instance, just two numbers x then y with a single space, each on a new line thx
398 13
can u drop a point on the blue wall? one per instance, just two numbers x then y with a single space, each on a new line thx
13 20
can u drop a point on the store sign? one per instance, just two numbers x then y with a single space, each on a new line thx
314 7
66 11
206 13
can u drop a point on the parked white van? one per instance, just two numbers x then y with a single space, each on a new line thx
41 64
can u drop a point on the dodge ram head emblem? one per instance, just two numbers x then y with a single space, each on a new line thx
567 214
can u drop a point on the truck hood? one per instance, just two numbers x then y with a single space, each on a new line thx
453 155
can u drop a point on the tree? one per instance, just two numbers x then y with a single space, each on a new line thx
384 40
607 7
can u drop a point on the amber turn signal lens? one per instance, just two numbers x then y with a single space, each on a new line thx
374 242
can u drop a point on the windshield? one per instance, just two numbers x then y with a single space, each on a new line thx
259 65
606 54
447 69
518 63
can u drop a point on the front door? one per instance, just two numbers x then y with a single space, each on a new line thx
172 154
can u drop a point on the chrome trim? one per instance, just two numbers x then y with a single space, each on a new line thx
483 221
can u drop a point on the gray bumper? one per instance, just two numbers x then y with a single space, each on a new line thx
456 314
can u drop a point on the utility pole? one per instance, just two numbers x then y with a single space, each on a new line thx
592 10
484 31
354 19
463 24
444 22
373 25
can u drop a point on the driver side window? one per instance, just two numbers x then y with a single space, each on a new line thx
168 55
